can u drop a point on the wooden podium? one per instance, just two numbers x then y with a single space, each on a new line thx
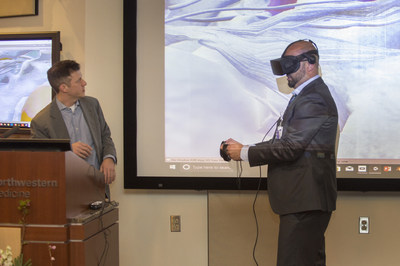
60 186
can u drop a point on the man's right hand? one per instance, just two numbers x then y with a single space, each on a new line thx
81 149
233 149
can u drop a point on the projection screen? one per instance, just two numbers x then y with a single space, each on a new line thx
203 75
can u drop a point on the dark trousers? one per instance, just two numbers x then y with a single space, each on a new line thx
301 239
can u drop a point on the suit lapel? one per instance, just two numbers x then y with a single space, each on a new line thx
289 108
90 117
57 121
303 92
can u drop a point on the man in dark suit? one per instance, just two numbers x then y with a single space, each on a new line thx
301 159
72 115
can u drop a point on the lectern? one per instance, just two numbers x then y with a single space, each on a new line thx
60 186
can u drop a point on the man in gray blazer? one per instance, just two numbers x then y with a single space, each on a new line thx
301 159
72 115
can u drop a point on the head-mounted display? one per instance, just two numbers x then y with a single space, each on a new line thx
290 64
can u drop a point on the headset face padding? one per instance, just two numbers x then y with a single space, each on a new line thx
285 65
290 64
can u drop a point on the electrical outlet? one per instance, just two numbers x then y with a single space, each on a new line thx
364 225
175 223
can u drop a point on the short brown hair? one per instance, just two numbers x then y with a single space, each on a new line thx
60 73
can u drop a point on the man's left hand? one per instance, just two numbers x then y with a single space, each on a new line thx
108 169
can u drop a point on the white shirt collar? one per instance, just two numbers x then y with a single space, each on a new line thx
62 106
301 87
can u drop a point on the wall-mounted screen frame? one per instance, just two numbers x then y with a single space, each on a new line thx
377 169
24 89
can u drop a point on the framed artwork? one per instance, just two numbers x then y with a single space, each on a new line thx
17 8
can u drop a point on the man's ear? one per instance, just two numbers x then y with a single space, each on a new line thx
311 67
63 87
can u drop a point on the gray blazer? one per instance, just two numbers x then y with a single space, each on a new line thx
302 163
49 124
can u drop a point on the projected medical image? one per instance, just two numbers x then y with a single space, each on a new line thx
219 83
24 89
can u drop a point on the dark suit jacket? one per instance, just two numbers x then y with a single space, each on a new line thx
49 124
302 163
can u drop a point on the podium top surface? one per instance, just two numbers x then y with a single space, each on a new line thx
19 144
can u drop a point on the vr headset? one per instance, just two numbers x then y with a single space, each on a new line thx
290 64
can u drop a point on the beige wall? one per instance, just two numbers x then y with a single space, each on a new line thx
232 230
91 33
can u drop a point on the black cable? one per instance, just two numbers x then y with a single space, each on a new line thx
276 122
239 171
106 244
255 198
106 247
100 215
106 233
255 218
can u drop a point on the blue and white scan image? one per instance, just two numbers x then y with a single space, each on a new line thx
219 83
24 89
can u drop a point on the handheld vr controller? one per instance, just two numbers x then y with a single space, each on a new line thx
222 152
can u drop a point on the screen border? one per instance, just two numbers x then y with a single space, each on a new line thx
55 54
131 178
53 35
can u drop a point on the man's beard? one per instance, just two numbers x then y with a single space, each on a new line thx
292 83
296 77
